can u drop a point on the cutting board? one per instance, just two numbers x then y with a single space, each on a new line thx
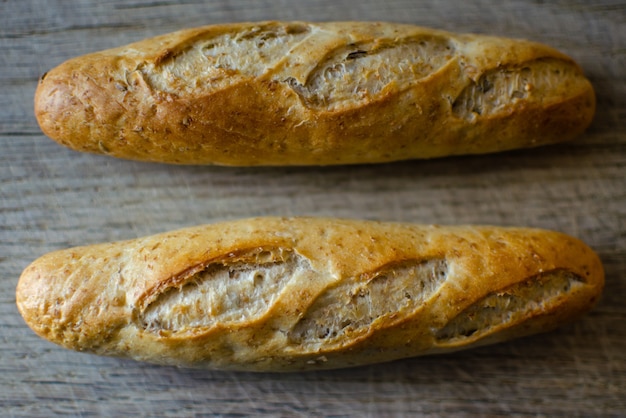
52 198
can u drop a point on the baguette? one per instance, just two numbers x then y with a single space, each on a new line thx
276 294
298 93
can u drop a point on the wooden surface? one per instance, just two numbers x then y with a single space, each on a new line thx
52 198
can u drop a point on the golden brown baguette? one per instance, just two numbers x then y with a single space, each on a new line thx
275 294
298 93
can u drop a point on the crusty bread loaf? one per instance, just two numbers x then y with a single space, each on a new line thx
274 294
298 93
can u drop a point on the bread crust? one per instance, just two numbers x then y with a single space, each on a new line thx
289 294
300 93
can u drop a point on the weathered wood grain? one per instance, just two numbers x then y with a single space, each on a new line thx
51 198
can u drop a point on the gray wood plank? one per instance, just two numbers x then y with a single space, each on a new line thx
52 198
